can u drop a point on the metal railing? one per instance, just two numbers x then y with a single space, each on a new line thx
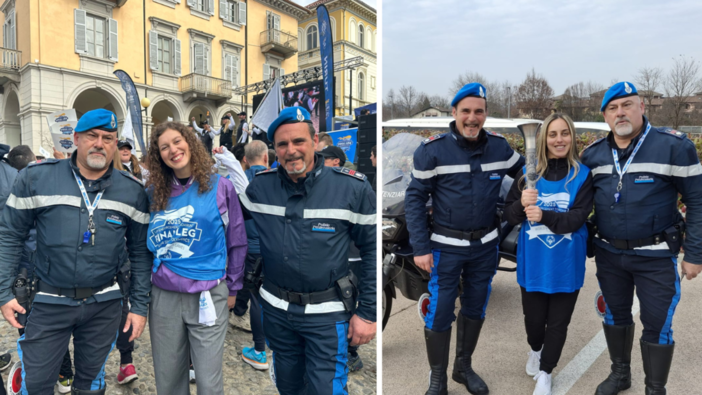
210 86
11 59
279 37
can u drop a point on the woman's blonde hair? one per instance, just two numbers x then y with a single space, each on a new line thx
542 149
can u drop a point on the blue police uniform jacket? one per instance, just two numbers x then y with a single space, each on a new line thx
665 165
47 193
188 237
306 228
464 182
549 262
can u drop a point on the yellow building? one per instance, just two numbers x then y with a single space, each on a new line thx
354 33
186 56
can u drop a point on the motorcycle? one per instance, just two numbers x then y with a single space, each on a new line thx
399 269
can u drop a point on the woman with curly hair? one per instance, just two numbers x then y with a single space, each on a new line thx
197 236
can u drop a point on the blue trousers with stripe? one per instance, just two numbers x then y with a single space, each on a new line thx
476 266
657 286
46 336
309 350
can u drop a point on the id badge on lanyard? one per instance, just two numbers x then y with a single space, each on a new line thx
621 172
89 234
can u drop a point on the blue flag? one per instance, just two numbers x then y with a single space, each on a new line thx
133 106
326 50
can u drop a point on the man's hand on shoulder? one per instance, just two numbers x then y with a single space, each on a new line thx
689 270
360 331
8 311
424 262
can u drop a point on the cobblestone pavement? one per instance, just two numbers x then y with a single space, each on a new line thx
239 377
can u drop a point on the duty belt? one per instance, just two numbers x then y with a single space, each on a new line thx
636 243
461 234
75 293
301 298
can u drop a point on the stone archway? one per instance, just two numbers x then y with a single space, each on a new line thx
11 122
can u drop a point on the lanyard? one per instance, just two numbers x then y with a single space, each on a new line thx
91 207
628 162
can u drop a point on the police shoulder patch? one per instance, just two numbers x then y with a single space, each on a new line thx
434 138
44 162
672 132
349 172
269 171
495 134
131 177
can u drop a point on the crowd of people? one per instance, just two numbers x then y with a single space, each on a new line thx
635 235
169 238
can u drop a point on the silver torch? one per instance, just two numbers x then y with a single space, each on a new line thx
529 133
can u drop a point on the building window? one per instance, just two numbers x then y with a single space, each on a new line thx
9 36
312 37
233 8
165 51
95 35
361 85
200 58
231 69
202 8
201 5
360 35
270 72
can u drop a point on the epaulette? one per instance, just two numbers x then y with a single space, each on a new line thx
44 162
269 171
593 143
672 132
495 134
434 138
131 177
349 172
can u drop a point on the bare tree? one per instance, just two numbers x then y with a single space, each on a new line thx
497 93
467 78
534 96
648 80
578 103
439 101
389 106
681 82
408 101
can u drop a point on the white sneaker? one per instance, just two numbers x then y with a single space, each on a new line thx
241 322
191 376
543 383
533 363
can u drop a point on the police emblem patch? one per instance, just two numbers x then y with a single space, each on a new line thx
113 122
300 117
433 138
323 227
349 172
482 93
627 88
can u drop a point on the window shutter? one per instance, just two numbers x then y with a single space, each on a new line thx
205 56
210 7
153 50
81 45
235 71
227 68
282 72
224 10
12 32
191 3
112 26
266 72
199 58
242 13
176 69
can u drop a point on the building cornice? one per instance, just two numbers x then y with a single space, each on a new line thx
296 11
228 44
8 4
158 21
195 32
362 9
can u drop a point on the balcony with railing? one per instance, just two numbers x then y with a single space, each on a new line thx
11 63
198 86
274 40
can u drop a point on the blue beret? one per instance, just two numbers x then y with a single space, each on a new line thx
617 91
474 89
97 119
289 115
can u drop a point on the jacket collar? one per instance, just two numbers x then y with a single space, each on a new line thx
93 185
477 146
624 152
303 184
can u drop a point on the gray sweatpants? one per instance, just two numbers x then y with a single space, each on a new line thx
176 333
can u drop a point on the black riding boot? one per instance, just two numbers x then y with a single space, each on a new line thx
656 361
457 375
438 344
469 332
620 339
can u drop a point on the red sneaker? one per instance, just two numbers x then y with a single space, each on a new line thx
127 374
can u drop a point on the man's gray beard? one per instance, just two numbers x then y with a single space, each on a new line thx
628 129
96 163
297 172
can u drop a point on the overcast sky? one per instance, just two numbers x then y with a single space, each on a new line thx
372 3
428 43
